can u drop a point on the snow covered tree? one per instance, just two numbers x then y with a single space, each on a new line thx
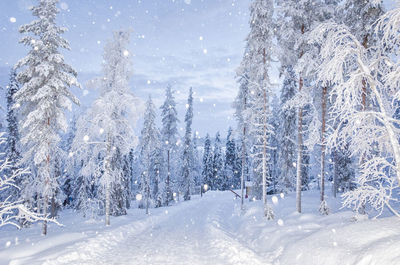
259 50
298 19
44 95
287 136
373 134
208 170
217 164
12 150
169 134
344 175
187 169
196 162
105 132
149 141
273 141
228 178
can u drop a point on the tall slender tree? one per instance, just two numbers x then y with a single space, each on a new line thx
44 95
259 43
207 171
169 134
187 169
149 141
287 133
217 164
105 132
228 181
13 152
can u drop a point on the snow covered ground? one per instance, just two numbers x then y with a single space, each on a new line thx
211 230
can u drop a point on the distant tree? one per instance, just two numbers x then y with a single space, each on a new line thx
169 134
149 140
230 162
287 133
196 162
12 150
273 141
187 168
217 164
207 172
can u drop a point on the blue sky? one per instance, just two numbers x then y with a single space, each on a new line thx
196 43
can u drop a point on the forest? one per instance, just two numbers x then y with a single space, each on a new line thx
330 126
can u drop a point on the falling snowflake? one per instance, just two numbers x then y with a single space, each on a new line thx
64 6
13 19
274 200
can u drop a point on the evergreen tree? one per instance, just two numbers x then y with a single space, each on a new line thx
207 172
187 169
196 163
44 95
287 152
149 140
12 151
169 134
273 163
217 164
229 175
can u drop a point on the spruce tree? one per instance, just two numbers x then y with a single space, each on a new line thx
207 171
217 164
12 151
229 175
287 136
169 134
187 169
149 141
44 95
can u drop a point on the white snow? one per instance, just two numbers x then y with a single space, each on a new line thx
211 230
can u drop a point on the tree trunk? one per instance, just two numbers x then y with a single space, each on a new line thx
299 159
264 158
45 206
323 105
299 142
335 175
107 166
53 207
167 183
243 160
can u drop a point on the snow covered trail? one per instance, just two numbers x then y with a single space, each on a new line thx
194 232
211 230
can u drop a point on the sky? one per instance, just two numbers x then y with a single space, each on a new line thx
185 43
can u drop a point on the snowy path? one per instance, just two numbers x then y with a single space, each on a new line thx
211 230
195 232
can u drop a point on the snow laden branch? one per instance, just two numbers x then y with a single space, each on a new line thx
355 73
11 212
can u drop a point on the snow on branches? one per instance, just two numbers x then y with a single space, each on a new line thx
364 98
